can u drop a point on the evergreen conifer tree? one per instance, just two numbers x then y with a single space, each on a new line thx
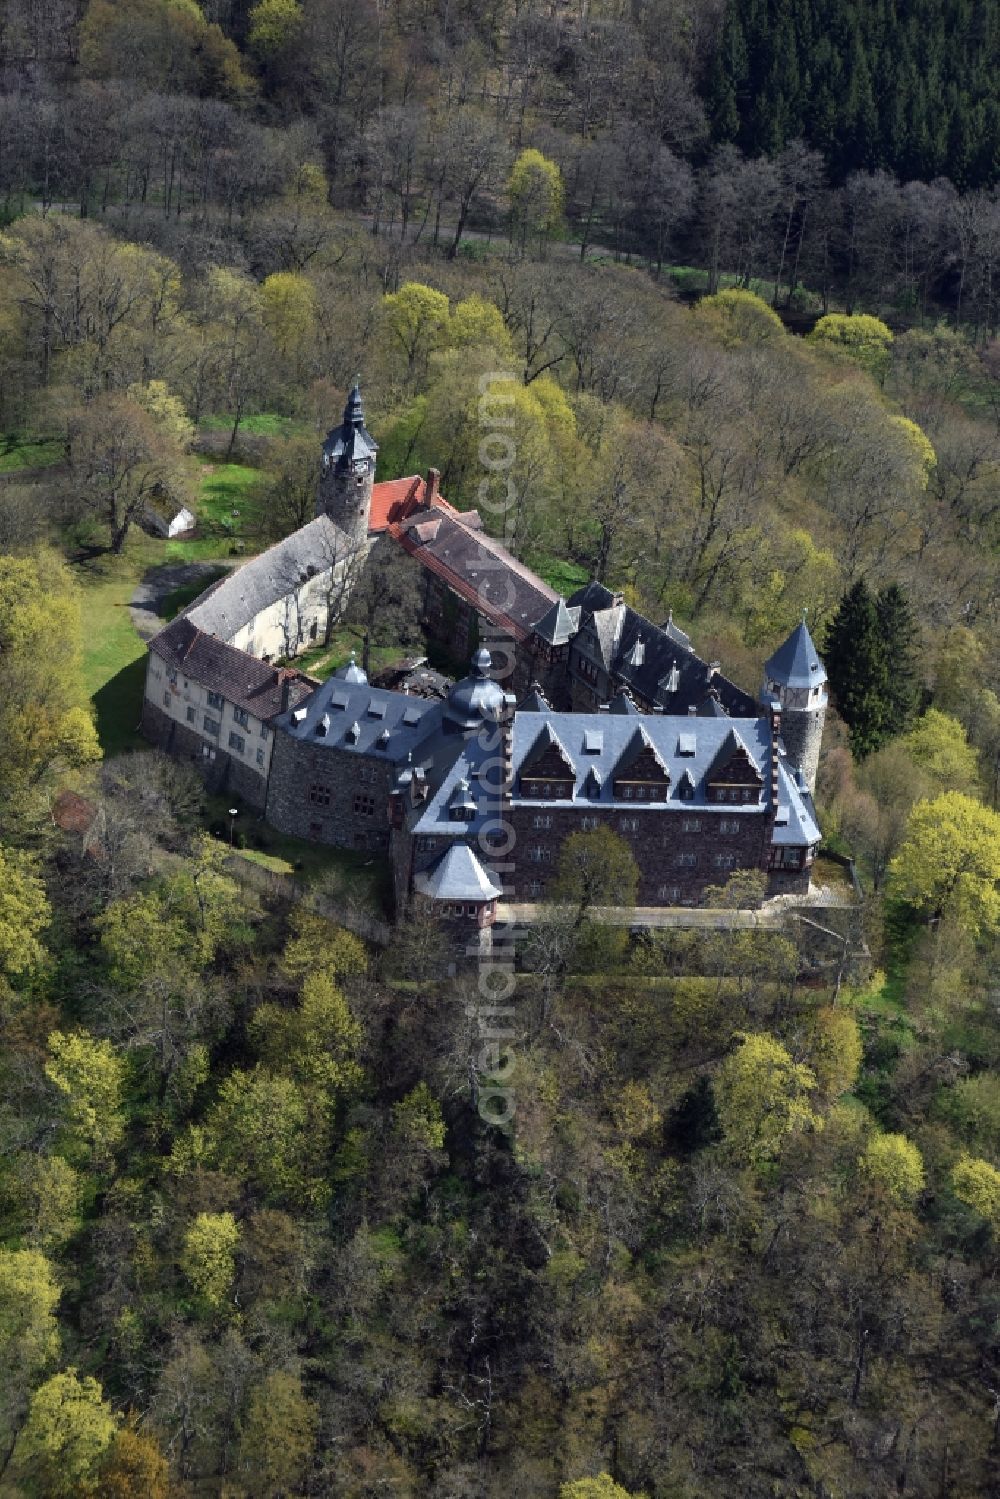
855 664
898 639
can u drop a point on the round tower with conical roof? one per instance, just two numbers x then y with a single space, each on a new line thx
796 676
347 472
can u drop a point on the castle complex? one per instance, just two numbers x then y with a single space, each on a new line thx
576 714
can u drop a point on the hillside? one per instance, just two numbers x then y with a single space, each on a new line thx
718 283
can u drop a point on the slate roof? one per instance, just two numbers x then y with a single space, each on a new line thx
535 701
236 599
458 876
712 707
351 442
445 778
242 679
665 656
796 663
388 725
559 625
477 567
615 734
688 747
795 824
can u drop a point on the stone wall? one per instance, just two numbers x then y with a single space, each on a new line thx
221 771
679 854
321 794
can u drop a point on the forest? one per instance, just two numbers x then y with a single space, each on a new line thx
741 1239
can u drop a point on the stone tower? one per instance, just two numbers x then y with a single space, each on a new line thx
796 676
348 471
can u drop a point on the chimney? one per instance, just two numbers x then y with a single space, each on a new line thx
433 481
285 681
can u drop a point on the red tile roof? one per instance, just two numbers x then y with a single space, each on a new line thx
394 499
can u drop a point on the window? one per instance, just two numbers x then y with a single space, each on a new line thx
629 824
166 699
191 714
691 824
172 678
315 829
587 823
686 861
724 861
541 820
424 845
215 700
242 717
364 805
237 742
319 795
729 824
539 855
535 887
264 731
211 725
260 758
671 893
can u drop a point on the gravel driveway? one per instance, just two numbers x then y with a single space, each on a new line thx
147 602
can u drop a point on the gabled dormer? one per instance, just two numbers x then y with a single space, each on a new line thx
640 774
685 788
547 772
734 775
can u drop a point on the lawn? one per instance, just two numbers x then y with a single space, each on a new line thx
363 875
114 658
323 660
260 424
28 452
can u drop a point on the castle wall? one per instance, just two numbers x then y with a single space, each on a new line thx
178 714
679 854
221 771
294 622
329 795
802 733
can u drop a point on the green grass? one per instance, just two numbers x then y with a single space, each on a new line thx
28 452
323 660
365 876
564 577
260 424
114 657
225 488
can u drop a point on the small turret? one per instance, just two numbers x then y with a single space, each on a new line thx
796 676
347 473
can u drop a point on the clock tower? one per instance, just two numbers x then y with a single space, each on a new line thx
347 471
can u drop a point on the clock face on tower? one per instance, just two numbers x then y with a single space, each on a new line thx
360 465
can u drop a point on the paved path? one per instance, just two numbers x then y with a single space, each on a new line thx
147 602
773 914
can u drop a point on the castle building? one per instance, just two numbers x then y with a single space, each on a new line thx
601 718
